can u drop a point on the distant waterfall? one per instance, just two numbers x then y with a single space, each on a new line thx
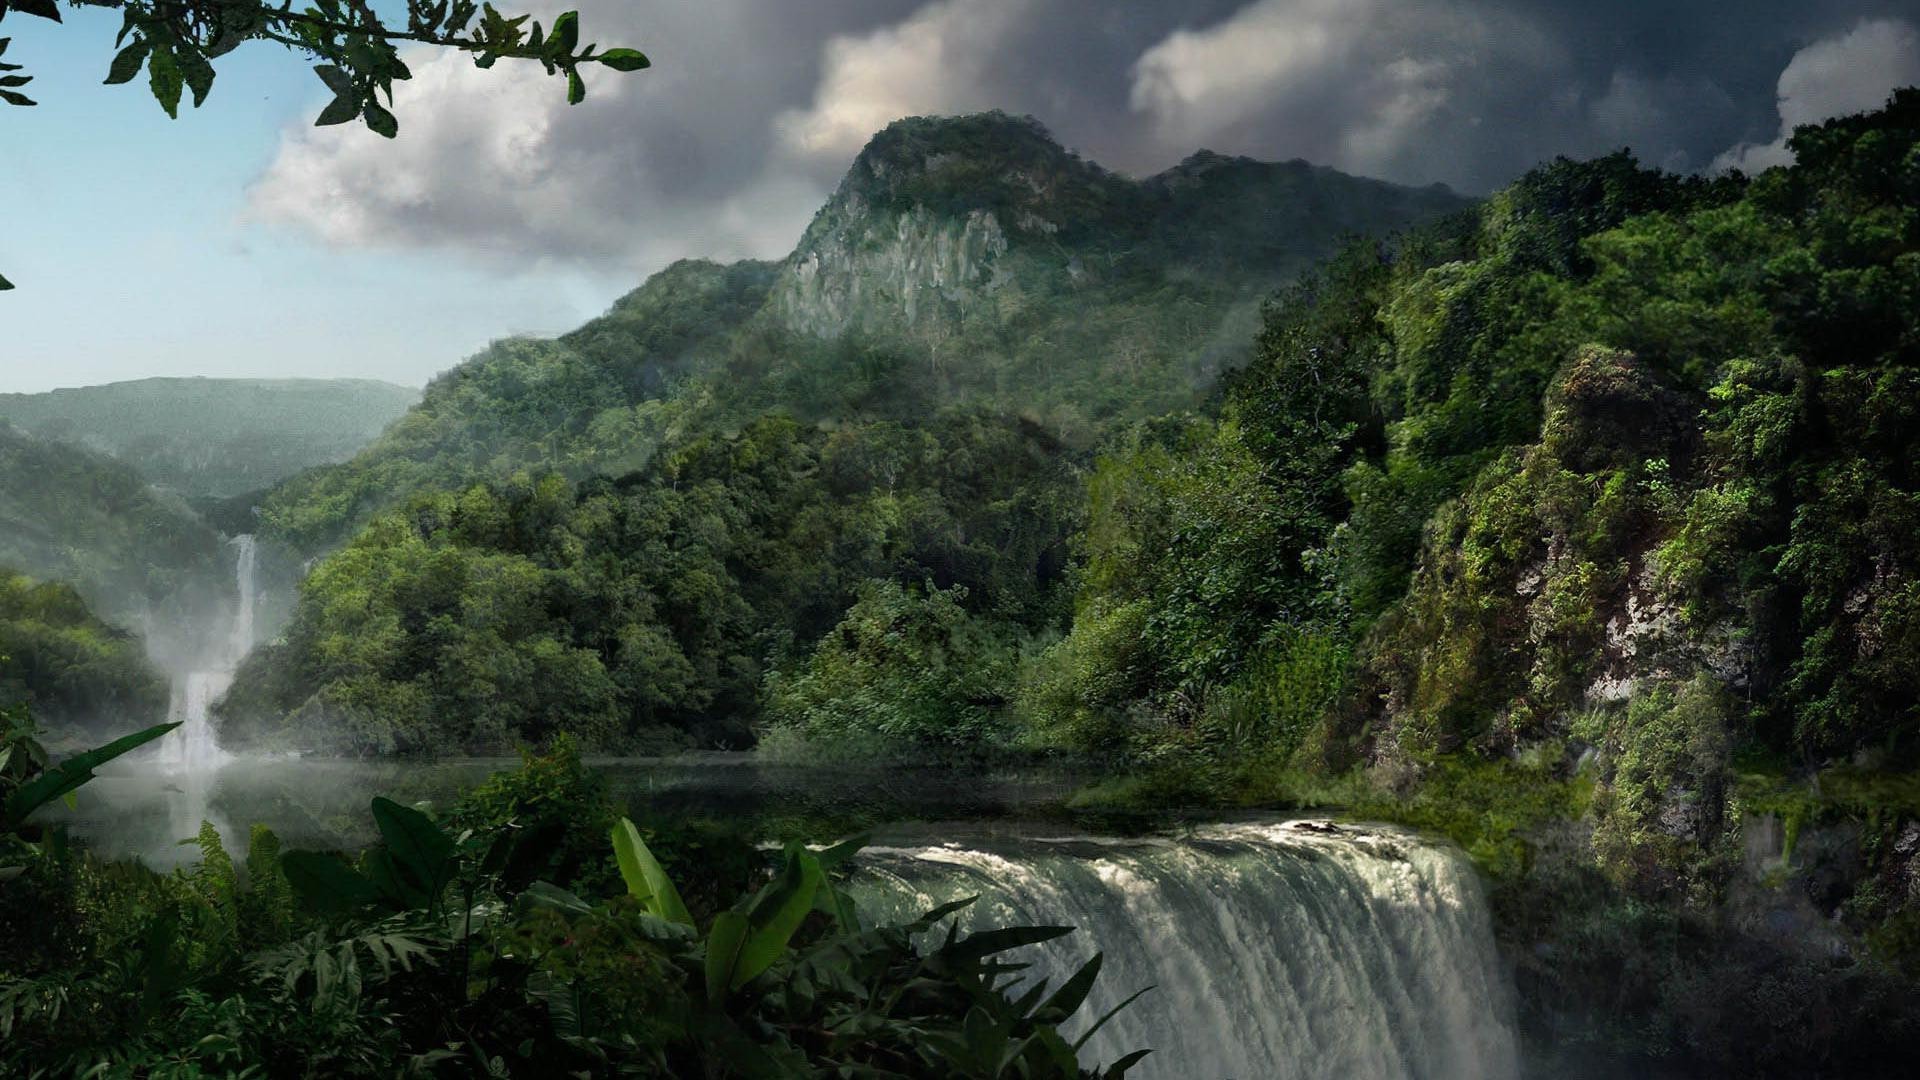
245 566
194 747
1277 951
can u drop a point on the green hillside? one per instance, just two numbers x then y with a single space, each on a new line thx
69 669
962 262
140 557
215 438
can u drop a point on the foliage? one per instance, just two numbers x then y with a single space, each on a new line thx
357 53
908 669
215 438
627 611
70 515
428 956
65 665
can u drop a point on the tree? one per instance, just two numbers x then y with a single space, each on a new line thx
354 52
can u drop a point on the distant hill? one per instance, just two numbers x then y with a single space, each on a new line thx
215 438
139 557
966 261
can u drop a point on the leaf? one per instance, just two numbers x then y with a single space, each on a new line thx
325 882
576 88
724 942
380 121
1118 1070
646 879
1072 994
46 9
163 75
338 111
565 35
73 772
1110 1014
778 915
198 74
547 895
831 858
988 942
5 284
926 922
12 98
126 63
336 79
419 848
624 59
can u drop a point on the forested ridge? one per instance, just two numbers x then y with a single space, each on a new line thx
207 439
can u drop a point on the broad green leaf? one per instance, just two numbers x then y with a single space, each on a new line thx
646 879
419 847
163 76
338 111
198 75
336 79
624 59
778 915
576 88
565 36
1118 1070
73 772
380 121
325 882
126 63
724 942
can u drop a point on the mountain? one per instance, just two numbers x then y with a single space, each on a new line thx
215 438
962 261
140 557
71 669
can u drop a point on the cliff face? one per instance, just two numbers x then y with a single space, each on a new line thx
1011 264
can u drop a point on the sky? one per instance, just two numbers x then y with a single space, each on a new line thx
241 241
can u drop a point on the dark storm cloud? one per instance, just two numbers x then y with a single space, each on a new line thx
756 106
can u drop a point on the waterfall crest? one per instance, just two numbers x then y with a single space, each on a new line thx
1276 950
194 746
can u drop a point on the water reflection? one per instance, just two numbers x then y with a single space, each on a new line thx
135 810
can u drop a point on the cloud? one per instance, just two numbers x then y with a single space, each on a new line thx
654 165
1835 76
935 62
755 107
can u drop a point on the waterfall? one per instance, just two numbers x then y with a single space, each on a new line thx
194 748
1276 950
244 568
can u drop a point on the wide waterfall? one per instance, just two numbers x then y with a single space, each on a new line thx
194 748
1275 950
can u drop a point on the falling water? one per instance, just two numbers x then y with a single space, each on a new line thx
1275 950
193 748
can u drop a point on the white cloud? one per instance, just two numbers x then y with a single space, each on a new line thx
1353 83
1847 73
655 165
934 62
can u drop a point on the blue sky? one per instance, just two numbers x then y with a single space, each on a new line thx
239 240
123 233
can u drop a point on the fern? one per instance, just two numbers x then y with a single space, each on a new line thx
328 971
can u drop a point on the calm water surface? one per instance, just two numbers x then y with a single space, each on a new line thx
142 812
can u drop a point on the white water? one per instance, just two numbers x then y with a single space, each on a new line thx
1276 951
194 748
